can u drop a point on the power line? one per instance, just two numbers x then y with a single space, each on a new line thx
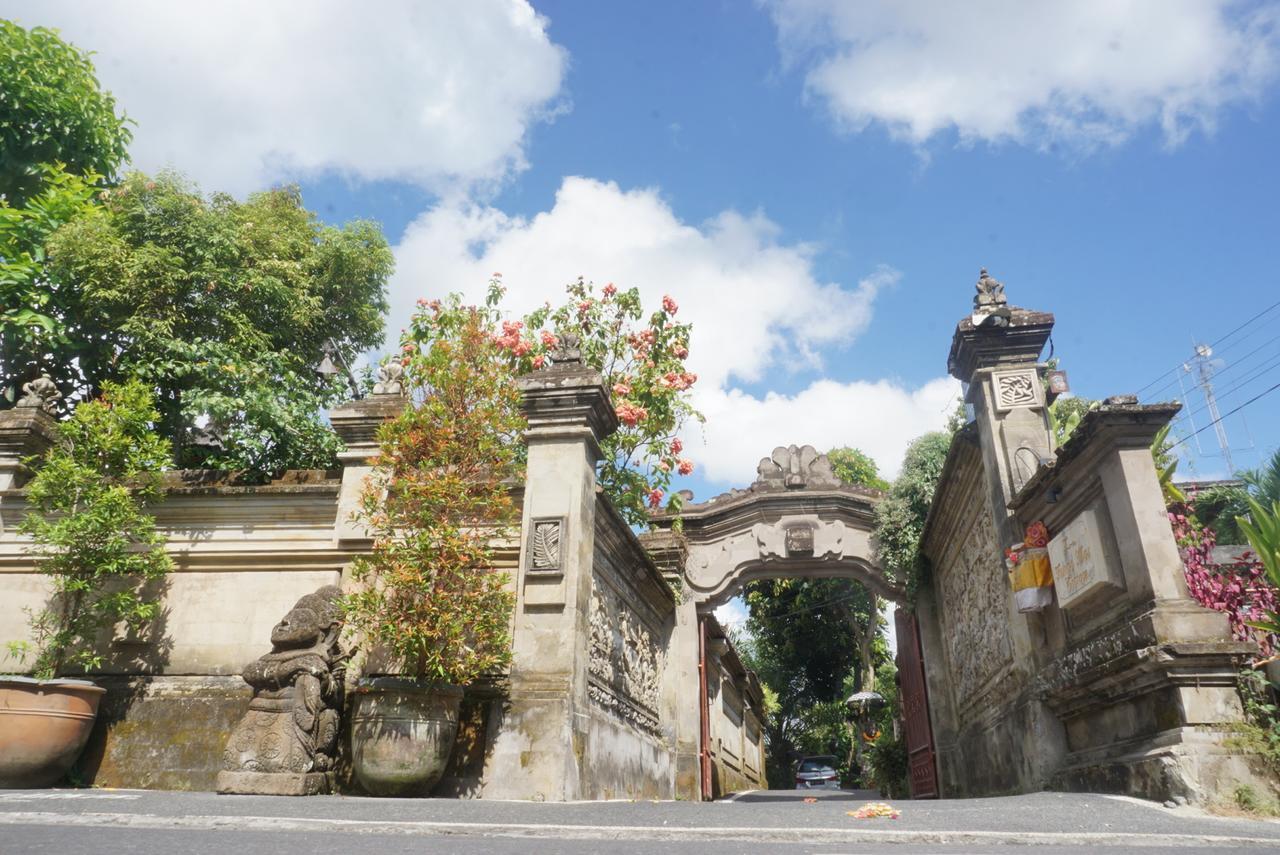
1235 364
1261 394
1274 362
1218 341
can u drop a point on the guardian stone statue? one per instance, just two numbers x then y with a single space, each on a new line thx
286 744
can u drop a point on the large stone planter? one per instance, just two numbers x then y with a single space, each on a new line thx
44 725
402 734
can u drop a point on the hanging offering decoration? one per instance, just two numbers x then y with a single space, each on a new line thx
1029 570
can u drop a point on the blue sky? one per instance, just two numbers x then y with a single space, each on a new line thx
816 182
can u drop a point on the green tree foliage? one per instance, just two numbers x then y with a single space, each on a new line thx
52 111
852 466
28 322
804 644
900 516
1065 415
224 307
432 596
90 530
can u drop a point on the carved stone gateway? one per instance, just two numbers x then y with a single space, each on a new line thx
286 744
796 520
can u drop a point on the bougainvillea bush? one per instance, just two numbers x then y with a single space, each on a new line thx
431 597
642 358
1239 589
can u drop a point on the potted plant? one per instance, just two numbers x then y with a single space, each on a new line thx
100 550
431 612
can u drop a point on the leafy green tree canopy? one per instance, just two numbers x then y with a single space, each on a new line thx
901 516
224 307
853 466
52 111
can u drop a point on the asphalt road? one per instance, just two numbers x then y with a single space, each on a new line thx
106 822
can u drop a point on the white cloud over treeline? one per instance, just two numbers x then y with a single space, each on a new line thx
241 93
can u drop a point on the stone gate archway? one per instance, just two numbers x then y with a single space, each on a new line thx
796 520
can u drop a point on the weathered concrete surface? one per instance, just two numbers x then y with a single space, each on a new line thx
758 822
164 733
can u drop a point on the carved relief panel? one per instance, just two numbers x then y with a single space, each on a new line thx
975 610
626 663
1015 389
545 537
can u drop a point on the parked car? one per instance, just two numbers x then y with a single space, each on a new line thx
818 773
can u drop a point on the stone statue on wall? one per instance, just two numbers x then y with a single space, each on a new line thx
390 379
286 744
990 292
40 393
990 305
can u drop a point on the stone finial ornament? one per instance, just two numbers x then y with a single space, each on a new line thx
286 744
568 351
40 393
390 379
794 468
990 292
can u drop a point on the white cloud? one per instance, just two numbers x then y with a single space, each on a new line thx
238 94
1085 72
756 305
878 417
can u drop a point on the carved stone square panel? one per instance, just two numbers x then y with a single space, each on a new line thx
1013 389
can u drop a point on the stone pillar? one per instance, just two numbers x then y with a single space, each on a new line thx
25 431
681 693
995 352
357 423
544 728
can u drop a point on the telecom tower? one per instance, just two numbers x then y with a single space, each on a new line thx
1205 368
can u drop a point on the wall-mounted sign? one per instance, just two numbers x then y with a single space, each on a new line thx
1082 564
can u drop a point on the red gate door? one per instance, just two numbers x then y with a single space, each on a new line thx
922 769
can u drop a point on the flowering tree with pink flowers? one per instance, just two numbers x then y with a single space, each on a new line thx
642 359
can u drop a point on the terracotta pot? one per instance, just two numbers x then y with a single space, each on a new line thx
44 725
402 734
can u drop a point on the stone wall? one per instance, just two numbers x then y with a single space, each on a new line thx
243 555
735 717
1121 683
630 751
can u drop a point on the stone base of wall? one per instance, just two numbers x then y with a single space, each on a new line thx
1189 763
162 733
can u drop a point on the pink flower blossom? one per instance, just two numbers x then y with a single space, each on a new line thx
680 351
610 290
408 348
539 361
549 340
677 446
664 466
521 347
622 390
669 305
655 497
685 467
584 307
630 414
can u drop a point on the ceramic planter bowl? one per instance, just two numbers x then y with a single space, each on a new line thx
44 725
402 734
